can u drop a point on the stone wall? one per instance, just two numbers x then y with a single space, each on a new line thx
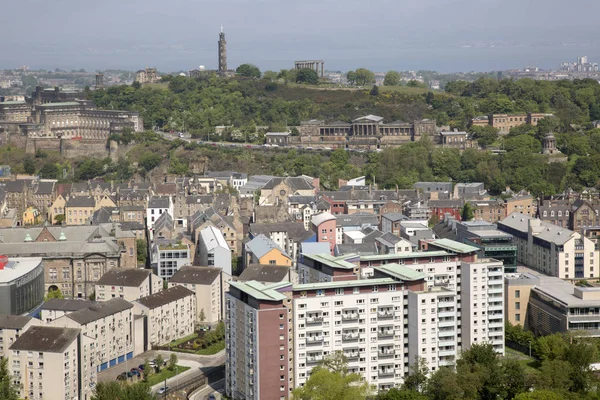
83 148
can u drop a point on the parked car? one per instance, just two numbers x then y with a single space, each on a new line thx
212 396
163 390
141 367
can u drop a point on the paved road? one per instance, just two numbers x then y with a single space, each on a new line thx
215 387
187 138
184 359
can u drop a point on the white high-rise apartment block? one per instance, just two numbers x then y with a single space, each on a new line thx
383 312
482 300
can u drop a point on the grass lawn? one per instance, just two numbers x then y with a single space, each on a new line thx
531 365
183 340
213 349
165 373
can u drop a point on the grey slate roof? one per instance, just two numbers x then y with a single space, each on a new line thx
548 232
295 230
358 219
196 275
45 187
158 202
261 245
394 216
264 273
17 186
365 249
45 339
124 277
67 304
389 239
296 183
80 201
165 297
13 321
100 310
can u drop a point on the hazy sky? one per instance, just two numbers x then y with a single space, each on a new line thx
443 35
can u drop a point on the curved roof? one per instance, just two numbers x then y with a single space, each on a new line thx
318 219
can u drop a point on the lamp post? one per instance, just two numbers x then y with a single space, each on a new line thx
530 349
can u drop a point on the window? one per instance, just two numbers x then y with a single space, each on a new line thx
375 289
517 317
320 292
517 294
517 305
339 291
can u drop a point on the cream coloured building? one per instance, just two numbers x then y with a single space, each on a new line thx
11 327
128 284
51 363
170 314
206 283
550 249
110 324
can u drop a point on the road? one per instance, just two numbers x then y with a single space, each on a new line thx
215 387
188 139
196 363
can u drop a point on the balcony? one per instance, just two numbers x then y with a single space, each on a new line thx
312 359
385 333
495 307
386 372
386 352
350 336
314 339
496 272
445 362
352 354
312 320
447 353
494 290
350 316
442 323
446 314
385 313
494 324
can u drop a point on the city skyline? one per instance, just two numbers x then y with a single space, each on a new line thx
437 36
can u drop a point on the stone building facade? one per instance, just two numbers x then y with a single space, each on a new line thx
148 75
369 131
504 122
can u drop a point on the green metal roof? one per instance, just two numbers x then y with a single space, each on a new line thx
261 292
454 246
343 284
68 103
334 262
401 272
415 254
12 103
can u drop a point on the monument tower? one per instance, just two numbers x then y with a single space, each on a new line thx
222 53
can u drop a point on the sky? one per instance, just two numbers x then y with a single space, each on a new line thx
174 35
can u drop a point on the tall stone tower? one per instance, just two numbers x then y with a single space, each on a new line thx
222 53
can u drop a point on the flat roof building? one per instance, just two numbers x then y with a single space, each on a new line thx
21 284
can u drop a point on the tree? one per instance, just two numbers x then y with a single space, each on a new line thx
332 384
513 378
443 385
202 316
49 171
351 77
307 75
248 70
364 77
429 97
392 78
59 219
142 251
417 377
551 347
8 390
159 360
467 212
29 166
116 390
146 371
400 394
415 83
270 75
149 161
172 361
539 395
374 90
54 294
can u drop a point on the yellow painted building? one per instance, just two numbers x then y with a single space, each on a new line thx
31 216
263 250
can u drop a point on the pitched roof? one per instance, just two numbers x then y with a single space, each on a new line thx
45 339
358 219
14 321
100 310
296 183
294 230
212 237
80 201
356 248
159 202
318 219
394 216
196 275
124 277
261 245
67 304
45 187
164 297
264 273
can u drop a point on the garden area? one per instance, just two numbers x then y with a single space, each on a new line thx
202 342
